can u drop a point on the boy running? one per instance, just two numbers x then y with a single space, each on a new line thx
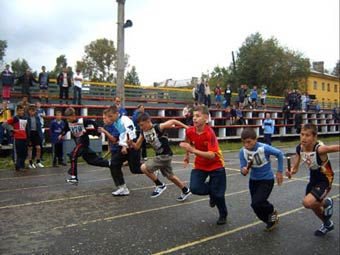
155 136
78 129
314 155
209 162
255 158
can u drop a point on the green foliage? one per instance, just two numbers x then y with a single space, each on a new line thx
19 67
132 77
61 61
3 46
264 62
99 61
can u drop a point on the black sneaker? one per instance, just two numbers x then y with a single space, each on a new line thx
323 230
158 190
184 196
72 180
212 203
221 220
272 221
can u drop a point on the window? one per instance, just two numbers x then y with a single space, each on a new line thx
323 86
335 87
315 85
328 87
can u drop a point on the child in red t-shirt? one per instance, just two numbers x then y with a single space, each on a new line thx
209 162
19 123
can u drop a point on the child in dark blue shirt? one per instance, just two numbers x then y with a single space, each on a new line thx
56 127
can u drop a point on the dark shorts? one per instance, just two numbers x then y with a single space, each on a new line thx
318 190
43 87
34 139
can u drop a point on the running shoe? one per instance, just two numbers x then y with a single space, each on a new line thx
158 190
183 196
324 229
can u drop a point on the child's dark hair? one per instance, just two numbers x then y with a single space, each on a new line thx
310 126
143 117
32 107
58 112
112 109
20 107
201 108
70 112
248 133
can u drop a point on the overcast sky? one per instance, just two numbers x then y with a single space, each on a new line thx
175 39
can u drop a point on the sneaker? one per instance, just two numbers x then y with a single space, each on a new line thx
221 220
272 221
323 230
184 196
158 190
121 191
328 210
72 180
212 203
31 166
40 165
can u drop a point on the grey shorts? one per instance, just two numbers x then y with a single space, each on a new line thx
162 163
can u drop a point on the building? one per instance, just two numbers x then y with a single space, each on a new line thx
324 87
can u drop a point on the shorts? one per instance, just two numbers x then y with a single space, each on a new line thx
43 87
218 98
241 100
318 190
34 139
162 163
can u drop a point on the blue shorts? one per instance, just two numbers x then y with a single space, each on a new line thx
43 86
218 98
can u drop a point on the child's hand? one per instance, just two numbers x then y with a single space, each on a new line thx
101 129
279 178
60 137
288 173
187 147
186 162
245 171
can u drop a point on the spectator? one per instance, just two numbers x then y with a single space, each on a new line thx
41 114
233 115
253 98
78 84
19 123
218 95
286 113
7 79
26 82
195 93
336 115
64 82
298 122
304 102
187 114
239 117
34 137
25 104
317 107
228 95
56 127
242 92
201 93
5 114
264 92
268 126
121 110
207 96
44 80
308 102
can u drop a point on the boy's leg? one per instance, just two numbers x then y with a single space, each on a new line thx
198 185
93 159
133 158
117 160
218 186
77 151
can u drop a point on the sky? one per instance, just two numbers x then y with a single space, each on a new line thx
169 39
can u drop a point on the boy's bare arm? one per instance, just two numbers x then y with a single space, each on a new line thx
171 123
324 149
136 145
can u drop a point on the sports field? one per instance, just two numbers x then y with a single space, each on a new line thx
41 214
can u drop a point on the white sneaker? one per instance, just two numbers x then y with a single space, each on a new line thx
31 166
121 191
40 165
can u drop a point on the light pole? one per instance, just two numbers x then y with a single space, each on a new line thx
120 92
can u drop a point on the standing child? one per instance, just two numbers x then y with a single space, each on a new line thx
19 123
314 155
155 136
57 126
268 126
255 157
34 136
78 129
209 162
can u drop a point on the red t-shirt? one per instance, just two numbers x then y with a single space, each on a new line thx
19 124
206 141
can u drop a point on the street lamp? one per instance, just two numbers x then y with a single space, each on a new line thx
120 92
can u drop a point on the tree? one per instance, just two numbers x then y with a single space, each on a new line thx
3 46
98 63
19 67
61 62
265 63
336 70
220 75
132 77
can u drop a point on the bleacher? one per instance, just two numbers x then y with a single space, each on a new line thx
167 103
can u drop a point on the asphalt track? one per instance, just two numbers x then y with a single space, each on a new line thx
41 214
